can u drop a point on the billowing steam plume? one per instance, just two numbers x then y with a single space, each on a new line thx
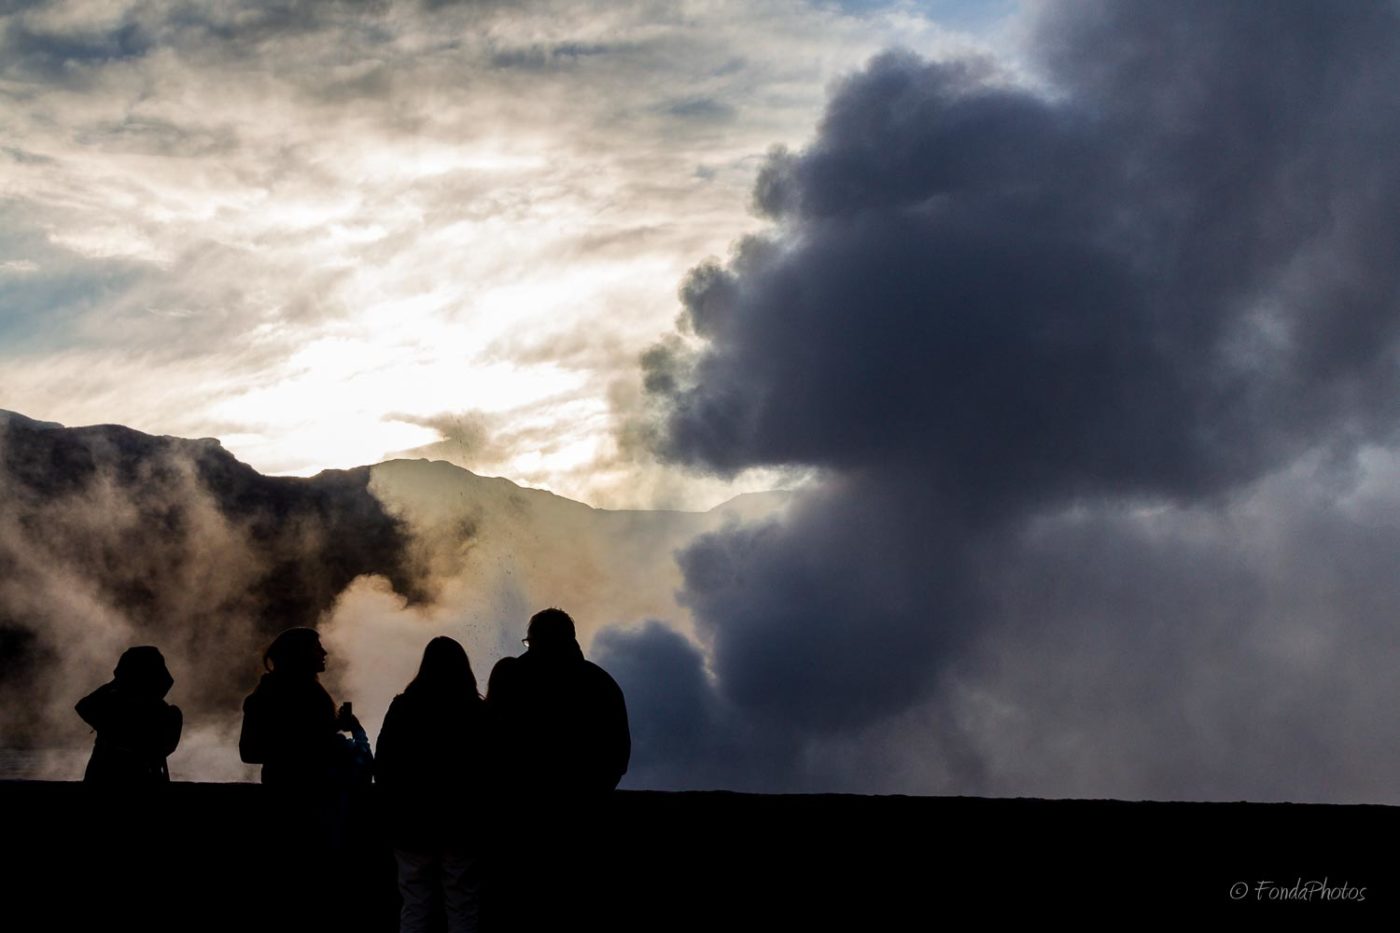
1103 374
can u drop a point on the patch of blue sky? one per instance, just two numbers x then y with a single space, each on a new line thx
973 16
46 292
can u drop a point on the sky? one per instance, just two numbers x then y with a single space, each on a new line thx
327 232
1075 327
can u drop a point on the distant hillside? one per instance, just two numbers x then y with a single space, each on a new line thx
514 547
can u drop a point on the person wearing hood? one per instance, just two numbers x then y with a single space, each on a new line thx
136 729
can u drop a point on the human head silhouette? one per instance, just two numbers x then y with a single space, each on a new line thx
445 669
141 671
296 651
550 630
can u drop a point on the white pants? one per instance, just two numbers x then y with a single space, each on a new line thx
425 877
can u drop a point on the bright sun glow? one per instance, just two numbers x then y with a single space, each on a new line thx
307 249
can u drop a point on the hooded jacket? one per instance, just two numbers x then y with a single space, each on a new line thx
136 728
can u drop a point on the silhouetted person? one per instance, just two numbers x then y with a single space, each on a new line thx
430 762
562 720
136 728
126 829
290 724
291 727
562 741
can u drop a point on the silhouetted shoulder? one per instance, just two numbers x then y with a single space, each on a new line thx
505 665
93 707
502 676
397 707
252 739
602 677
391 734
614 748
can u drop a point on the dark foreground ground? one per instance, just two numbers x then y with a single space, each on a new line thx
217 856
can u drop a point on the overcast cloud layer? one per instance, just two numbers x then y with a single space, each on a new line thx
317 230
1101 374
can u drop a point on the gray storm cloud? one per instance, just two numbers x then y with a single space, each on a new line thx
1046 343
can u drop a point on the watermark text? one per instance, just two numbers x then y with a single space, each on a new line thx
1299 890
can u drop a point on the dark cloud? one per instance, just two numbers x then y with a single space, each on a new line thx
468 429
672 710
547 57
684 736
73 50
474 440
832 653
68 57
703 109
1167 276
157 137
24 157
1223 653
247 24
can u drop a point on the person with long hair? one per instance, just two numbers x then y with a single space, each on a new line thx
290 723
430 762
292 728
